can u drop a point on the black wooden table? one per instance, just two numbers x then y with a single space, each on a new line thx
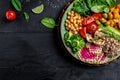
30 51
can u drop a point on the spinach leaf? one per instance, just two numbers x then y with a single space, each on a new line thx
17 5
48 22
81 7
26 16
111 3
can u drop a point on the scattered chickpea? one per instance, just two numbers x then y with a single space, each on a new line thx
74 22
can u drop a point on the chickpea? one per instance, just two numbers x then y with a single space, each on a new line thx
67 21
80 28
76 14
71 20
74 29
69 13
77 28
72 12
75 32
75 18
66 24
67 28
68 17
75 21
72 15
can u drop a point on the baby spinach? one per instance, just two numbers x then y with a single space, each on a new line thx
48 22
17 5
111 3
26 16
81 7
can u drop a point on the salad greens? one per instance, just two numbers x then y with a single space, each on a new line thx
81 7
110 31
111 3
75 42
17 5
26 16
86 7
48 22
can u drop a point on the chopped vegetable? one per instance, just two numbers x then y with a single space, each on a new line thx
85 54
67 35
87 20
97 16
48 22
91 52
17 5
82 32
26 16
74 42
92 28
110 31
39 9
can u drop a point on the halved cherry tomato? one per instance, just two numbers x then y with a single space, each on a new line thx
97 16
92 27
87 20
82 32
10 15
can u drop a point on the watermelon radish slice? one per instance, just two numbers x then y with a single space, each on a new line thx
91 52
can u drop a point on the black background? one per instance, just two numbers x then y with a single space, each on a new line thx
30 51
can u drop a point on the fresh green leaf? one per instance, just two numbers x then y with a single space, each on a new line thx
26 16
48 22
81 7
17 5
111 3
110 31
100 8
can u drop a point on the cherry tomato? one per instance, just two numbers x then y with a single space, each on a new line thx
82 32
97 16
92 27
10 15
87 20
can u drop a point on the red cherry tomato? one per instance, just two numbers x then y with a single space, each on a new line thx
97 16
92 27
10 15
82 32
87 20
